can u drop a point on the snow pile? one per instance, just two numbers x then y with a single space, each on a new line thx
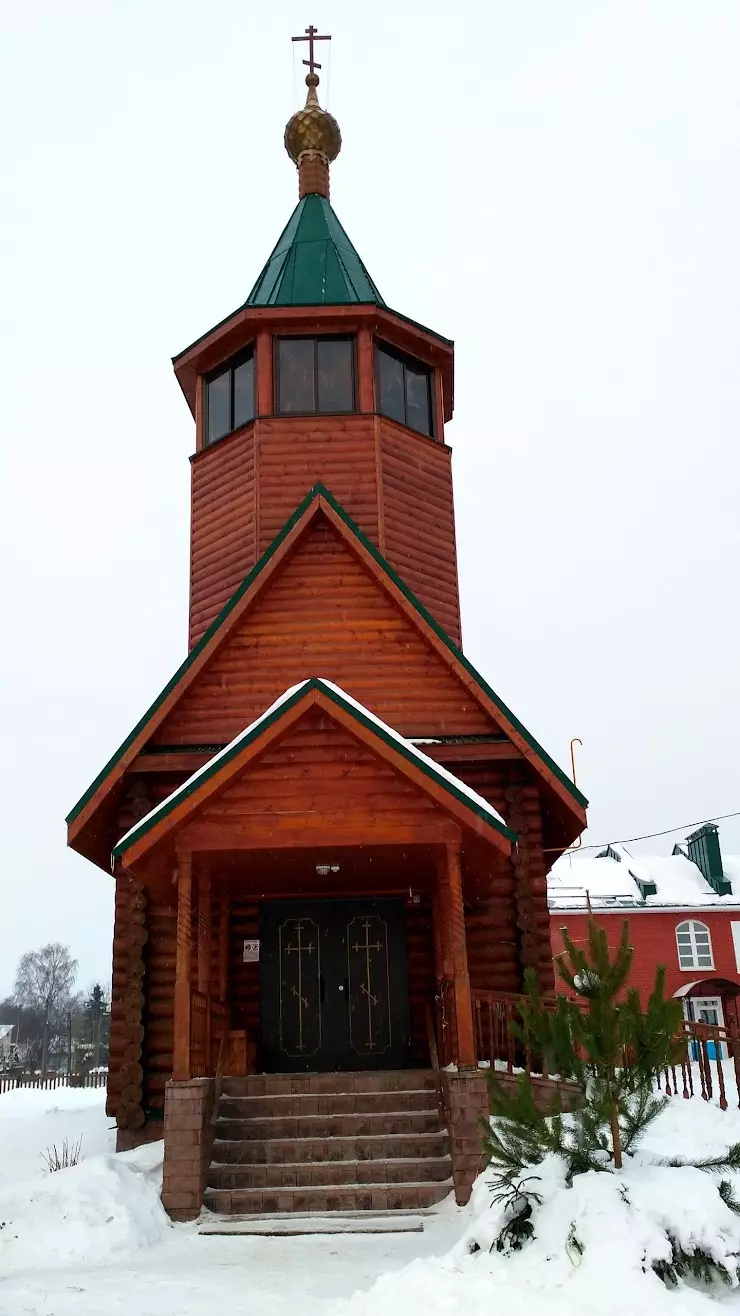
105 1206
615 1225
594 1243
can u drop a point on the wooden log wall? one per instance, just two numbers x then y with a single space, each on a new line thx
516 913
161 954
322 614
530 867
125 1077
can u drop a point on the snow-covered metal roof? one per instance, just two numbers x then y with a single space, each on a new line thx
617 879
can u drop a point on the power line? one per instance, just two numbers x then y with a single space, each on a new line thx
648 836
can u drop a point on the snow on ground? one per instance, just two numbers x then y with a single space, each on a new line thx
94 1241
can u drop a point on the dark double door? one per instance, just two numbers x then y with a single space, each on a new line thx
333 985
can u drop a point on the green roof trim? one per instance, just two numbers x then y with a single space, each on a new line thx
314 263
320 491
274 714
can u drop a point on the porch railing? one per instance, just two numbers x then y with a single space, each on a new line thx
199 1040
446 1028
208 1026
709 1064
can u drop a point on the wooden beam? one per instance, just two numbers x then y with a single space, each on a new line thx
253 834
471 753
466 1050
205 929
181 1056
224 918
174 762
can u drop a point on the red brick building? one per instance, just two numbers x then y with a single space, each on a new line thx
683 911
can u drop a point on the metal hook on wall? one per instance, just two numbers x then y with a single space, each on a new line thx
575 741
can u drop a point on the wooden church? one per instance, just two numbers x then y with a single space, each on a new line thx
329 837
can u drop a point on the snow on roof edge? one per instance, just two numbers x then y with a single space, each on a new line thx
448 777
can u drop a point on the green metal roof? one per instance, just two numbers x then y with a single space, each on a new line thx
314 263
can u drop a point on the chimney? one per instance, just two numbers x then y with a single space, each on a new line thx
704 851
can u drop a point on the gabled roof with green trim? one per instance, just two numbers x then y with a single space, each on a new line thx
314 263
317 493
286 703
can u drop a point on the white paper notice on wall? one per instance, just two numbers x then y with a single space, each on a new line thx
736 942
251 952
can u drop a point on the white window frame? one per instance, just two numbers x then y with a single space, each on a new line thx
691 925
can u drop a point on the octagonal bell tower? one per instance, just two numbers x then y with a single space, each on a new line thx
315 379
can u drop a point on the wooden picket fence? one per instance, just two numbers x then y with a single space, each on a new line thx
47 1082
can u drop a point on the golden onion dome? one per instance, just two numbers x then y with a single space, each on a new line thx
312 129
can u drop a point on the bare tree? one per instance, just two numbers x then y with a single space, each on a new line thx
44 981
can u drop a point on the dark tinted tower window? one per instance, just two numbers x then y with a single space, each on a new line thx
296 386
230 397
418 415
404 389
334 374
315 375
244 392
219 406
390 379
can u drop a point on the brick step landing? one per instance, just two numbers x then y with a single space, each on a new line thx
338 1197
322 1104
374 1080
297 1222
323 1143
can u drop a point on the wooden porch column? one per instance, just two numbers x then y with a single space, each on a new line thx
181 1056
467 1056
205 931
223 947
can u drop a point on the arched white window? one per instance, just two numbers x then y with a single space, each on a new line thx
694 945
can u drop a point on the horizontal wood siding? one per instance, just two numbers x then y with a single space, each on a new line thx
419 521
295 453
316 776
324 615
222 532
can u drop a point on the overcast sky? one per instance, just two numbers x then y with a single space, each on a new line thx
552 183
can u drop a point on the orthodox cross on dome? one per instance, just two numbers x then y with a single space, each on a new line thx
310 37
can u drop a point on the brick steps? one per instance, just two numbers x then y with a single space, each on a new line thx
327 1126
265 1085
377 1146
349 1197
348 1103
320 1174
328 1143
